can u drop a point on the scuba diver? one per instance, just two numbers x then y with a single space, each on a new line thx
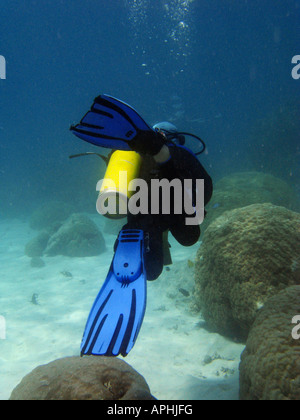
141 249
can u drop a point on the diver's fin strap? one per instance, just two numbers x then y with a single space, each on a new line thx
129 256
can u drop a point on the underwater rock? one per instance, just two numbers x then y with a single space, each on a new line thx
37 262
78 237
247 256
83 378
36 247
270 364
245 188
50 216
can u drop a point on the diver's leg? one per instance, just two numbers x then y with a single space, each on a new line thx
186 235
153 233
184 165
154 258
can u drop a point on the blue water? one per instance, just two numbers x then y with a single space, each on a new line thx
214 68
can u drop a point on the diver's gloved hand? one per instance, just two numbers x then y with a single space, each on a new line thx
113 124
148 142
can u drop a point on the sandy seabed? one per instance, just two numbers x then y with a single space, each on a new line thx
177 356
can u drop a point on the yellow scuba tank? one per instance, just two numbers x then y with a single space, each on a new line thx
123 167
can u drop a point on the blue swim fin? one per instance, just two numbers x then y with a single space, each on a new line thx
110 123
114 124
118 312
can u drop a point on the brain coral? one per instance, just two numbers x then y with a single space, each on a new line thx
87 378
270 364
247 256
245 188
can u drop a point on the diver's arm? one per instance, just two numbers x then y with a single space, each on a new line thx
183 164
178 162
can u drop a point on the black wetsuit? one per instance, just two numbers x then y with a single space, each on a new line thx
182 165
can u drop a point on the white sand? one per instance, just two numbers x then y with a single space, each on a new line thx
172 344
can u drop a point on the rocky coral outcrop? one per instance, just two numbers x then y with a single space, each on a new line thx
247 256
88 378
270 364
246 188
78 237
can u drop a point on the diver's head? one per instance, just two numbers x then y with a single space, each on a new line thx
170 131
